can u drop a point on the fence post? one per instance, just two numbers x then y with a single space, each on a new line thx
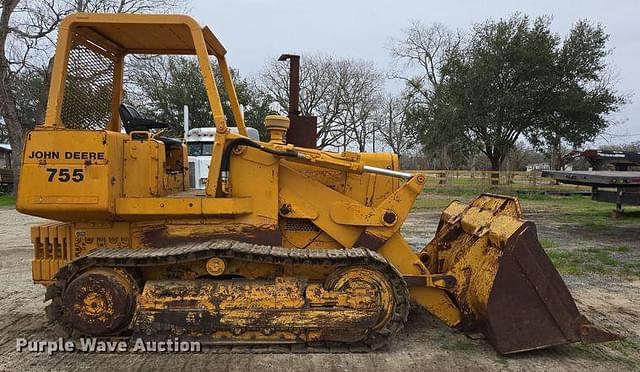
442 178
495 178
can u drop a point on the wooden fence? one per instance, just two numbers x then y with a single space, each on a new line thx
480 178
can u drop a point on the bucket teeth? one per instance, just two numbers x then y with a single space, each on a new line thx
507 288
592 334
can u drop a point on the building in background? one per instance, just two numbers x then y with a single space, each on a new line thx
6 173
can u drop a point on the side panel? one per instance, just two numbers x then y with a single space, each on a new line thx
142 173
250 215
71 175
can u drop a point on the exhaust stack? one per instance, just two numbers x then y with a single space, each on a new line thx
302 130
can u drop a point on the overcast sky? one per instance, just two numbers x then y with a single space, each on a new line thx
254 30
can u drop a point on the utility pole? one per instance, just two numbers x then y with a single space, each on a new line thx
185 111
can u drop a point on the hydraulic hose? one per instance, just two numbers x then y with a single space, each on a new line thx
226 154
226 159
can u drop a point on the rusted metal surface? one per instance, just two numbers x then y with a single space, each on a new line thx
592 334
303 129
267 306
369 241
294 82
100 302
162 236
507 288
216 266
530 306
435 280
599 159
390 217
369 321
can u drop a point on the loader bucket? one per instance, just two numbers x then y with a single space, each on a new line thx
506 286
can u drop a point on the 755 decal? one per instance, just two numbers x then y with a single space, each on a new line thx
65 174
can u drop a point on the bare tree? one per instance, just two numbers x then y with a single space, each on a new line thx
418 60
27 28
393 126
342 93
320 93
418 57
25 31
360 86
129 6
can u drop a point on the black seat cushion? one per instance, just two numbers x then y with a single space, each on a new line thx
133 121
170 143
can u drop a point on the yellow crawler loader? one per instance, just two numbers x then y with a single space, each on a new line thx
286 245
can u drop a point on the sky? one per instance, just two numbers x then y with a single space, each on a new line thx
254 31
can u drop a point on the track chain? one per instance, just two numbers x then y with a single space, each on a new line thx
131 258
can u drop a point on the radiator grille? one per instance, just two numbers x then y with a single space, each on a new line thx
53 247
299 224
52 241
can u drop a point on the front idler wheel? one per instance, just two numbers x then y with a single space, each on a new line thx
100 302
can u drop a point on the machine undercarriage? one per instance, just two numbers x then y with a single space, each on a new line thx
199 292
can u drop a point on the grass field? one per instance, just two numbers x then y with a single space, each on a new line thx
576 208
602 245
7 200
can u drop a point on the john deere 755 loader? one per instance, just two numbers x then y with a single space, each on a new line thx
286 245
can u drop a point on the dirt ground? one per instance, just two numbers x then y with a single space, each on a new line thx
425 344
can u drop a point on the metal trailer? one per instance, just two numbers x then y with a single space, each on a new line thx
620 160
606 186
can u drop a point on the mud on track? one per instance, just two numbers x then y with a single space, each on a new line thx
425 344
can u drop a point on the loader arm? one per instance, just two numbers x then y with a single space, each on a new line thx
377 228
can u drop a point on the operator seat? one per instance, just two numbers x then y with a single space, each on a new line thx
133 121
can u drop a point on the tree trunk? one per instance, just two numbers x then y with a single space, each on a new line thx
495 169
8 106
373 142
444 156
556 156
14 129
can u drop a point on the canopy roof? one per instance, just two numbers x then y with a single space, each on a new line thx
143 33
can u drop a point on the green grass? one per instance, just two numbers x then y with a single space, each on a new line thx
625 351
582 211
453 341
7 200
432 201
576 209
628 349
609 261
